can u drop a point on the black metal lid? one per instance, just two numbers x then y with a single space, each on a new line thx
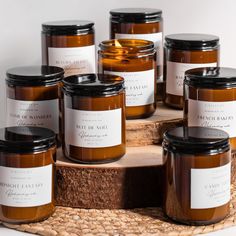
67 27
26 139
34 75
93 84
196 140
191 41
211 77
136 15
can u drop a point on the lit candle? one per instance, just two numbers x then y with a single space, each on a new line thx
135 61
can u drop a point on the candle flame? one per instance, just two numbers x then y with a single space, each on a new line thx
117 44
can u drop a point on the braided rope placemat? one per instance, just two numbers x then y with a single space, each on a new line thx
143 221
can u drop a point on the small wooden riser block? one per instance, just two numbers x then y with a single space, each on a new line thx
150 131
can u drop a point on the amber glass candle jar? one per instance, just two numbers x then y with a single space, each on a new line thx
135 61
197 175
27 169
139 23
94 118
70 45
210 99
33 96
184 52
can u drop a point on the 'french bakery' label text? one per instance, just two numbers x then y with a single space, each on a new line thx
221 115
139 86
93 129
33 113
74 60
210 187
175 75
25 187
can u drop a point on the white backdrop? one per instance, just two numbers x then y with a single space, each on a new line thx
20 25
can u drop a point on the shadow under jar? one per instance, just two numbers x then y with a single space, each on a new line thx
33 97
184 52
94 118
210 99
70 45
139 23
197 167
27 170
135 61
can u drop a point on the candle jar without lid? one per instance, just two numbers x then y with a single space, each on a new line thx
184 52
197 164
27 169
210 99
33 97
139 23
135 61
94 118
70 45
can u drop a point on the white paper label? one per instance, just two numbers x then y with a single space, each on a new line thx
93 129
210 187
175 75
33 113
221 115
156 38
25 187
75 60
139 86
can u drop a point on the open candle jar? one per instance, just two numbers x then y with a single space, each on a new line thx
135 61
94 118
139 23
184 52
210 99
197 167
33 97
70 45
27 169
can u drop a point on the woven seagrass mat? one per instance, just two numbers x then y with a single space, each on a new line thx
144 221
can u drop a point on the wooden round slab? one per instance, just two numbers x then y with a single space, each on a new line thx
133 181
150 131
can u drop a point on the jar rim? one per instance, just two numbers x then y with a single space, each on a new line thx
34 75
190 41
26 139
211 77
93 84
196 140
132 46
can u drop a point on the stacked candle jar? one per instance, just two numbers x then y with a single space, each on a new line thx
184 52
86 113
197 156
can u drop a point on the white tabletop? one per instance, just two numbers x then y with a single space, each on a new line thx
226 232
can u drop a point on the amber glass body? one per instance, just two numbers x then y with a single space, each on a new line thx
209 95
120 60
18 215
37 93
138 28
100 154
177 192
185 56
64 41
